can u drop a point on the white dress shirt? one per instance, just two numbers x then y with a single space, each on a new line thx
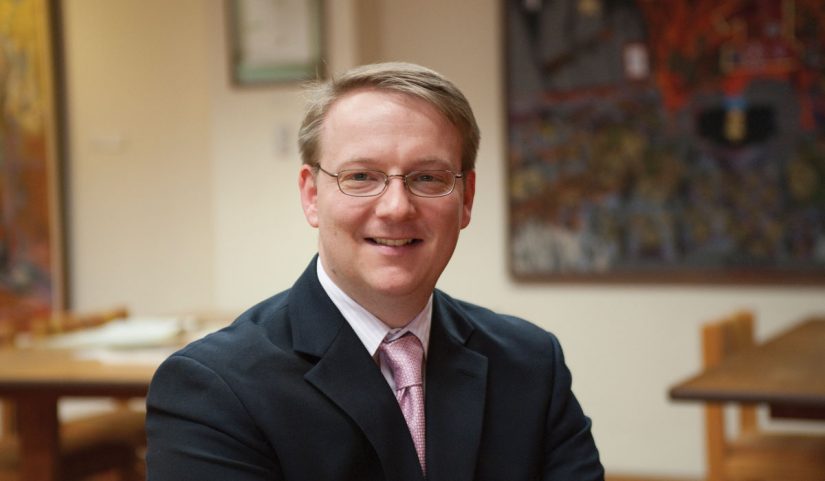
369 329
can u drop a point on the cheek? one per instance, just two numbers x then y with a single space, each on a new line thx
448 221
337 218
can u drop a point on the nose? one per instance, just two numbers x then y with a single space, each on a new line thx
396 202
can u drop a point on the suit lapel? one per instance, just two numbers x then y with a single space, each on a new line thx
349 377
456 386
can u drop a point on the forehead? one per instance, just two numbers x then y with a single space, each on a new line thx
378 125
375 103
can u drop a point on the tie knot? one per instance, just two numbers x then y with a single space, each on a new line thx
404 356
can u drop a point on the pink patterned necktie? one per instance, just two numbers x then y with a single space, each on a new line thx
405 358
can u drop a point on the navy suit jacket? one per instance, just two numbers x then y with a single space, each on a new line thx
288 392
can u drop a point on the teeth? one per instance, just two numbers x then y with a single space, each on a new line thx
392 242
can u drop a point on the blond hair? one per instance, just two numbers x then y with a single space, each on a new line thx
406 78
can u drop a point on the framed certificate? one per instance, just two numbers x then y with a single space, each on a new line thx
273 41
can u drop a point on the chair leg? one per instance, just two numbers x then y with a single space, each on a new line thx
715 441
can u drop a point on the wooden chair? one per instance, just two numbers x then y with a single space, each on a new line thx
752 455
108 444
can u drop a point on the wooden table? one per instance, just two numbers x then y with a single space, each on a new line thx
787 372
36 378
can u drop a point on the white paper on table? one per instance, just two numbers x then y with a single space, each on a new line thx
129 333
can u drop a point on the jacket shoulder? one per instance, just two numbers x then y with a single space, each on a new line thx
489 327
257 330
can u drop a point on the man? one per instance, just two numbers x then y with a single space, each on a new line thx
362 370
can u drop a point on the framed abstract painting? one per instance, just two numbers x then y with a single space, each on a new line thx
666 140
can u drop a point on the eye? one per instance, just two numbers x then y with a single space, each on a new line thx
356 176
429 177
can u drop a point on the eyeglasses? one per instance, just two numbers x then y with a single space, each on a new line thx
370 183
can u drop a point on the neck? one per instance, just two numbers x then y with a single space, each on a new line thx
395 312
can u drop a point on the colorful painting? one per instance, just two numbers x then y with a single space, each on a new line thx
666 140
30 240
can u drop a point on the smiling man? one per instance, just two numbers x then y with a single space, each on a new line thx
363 370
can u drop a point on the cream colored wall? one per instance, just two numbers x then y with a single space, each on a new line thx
140 176
198 206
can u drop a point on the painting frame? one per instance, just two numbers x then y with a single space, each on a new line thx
544 212
33 271
275 42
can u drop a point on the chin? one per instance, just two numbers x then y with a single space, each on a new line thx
398 285
395 289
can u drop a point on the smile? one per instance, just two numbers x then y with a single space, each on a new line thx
393 242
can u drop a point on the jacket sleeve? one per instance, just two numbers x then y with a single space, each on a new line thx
570 450
198 429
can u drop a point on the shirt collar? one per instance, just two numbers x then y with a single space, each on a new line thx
369 329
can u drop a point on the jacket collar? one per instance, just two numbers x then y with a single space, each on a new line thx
456 395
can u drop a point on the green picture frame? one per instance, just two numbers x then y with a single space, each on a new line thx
275 41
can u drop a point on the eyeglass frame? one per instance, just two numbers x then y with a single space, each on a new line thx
388 177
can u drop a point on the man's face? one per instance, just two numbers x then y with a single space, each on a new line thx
393 246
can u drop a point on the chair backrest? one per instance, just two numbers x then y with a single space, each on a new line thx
721 339
7 333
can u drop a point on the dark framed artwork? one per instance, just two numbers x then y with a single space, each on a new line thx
666 140
31 240
274 41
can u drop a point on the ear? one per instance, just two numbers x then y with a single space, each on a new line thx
309 194
467 197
